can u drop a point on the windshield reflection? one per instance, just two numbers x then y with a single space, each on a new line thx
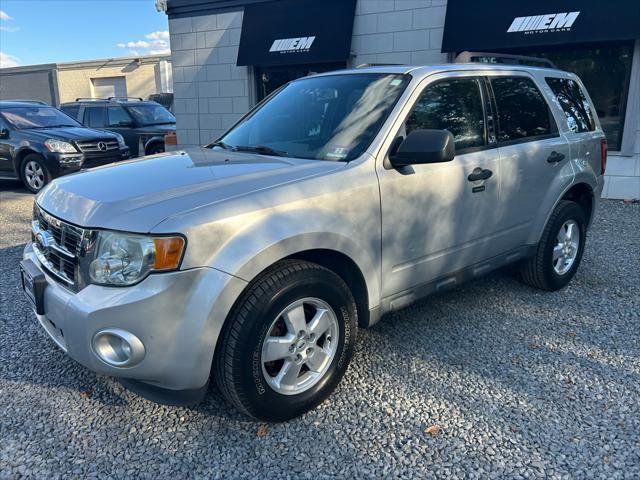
333 117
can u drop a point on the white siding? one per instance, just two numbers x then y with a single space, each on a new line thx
211 92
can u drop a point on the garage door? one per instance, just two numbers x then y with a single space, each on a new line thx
109 87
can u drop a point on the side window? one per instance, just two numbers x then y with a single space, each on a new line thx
94 117
118 116
522 110
454 105
71 110
575 105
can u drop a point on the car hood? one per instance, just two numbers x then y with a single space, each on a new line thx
69 133
137 195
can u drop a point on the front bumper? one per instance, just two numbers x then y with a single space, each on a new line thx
177 316
63 163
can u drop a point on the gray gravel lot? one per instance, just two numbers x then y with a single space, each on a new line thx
522 384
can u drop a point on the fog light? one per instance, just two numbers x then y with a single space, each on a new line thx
118 348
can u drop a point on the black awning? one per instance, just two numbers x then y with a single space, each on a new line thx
289 32
503 24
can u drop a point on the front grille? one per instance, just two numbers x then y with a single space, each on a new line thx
57 245
98 146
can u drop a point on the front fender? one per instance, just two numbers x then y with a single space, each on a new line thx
277 237
260 239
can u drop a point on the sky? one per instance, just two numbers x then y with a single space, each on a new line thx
48 31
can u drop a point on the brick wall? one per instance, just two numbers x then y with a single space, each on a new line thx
211 92
398 31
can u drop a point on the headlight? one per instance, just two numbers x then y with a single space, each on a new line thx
59 146
122 259
120 140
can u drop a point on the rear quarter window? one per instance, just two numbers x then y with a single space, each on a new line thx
574 104
522 111
71 110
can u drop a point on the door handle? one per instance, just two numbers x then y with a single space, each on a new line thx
479 174
555 157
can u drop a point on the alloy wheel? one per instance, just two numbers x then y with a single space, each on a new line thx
34 174
300 345
566 249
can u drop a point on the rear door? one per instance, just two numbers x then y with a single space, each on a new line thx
435 221
534 156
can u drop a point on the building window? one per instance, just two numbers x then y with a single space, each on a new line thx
605 71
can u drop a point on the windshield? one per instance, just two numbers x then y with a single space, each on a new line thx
151 114
37 117
331 117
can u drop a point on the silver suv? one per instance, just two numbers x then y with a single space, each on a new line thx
343 196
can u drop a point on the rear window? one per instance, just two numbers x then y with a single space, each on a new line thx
522 111
574 104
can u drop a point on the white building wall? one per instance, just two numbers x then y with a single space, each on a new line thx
398 31
211 92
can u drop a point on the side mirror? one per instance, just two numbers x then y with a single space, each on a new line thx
4 133
424 146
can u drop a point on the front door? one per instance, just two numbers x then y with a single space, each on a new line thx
6 157
435 221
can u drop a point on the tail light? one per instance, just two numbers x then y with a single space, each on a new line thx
603 155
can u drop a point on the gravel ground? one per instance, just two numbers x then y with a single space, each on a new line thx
513 382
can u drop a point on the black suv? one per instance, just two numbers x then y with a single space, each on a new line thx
39 142
143 124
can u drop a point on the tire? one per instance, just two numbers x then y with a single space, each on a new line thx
249 383
156 148
34 173
542 270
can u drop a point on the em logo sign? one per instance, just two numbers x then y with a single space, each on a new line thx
550 22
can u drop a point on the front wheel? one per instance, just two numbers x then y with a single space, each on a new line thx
288 341
560 249
34 173
156 148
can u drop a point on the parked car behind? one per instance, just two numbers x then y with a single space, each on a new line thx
39 142
143 124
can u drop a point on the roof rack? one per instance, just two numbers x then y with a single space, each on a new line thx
107 99
503 58
37 102
125 98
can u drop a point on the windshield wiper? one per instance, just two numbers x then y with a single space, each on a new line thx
220 144
261 149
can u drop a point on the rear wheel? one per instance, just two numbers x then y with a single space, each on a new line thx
560 249
34 172
288 341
